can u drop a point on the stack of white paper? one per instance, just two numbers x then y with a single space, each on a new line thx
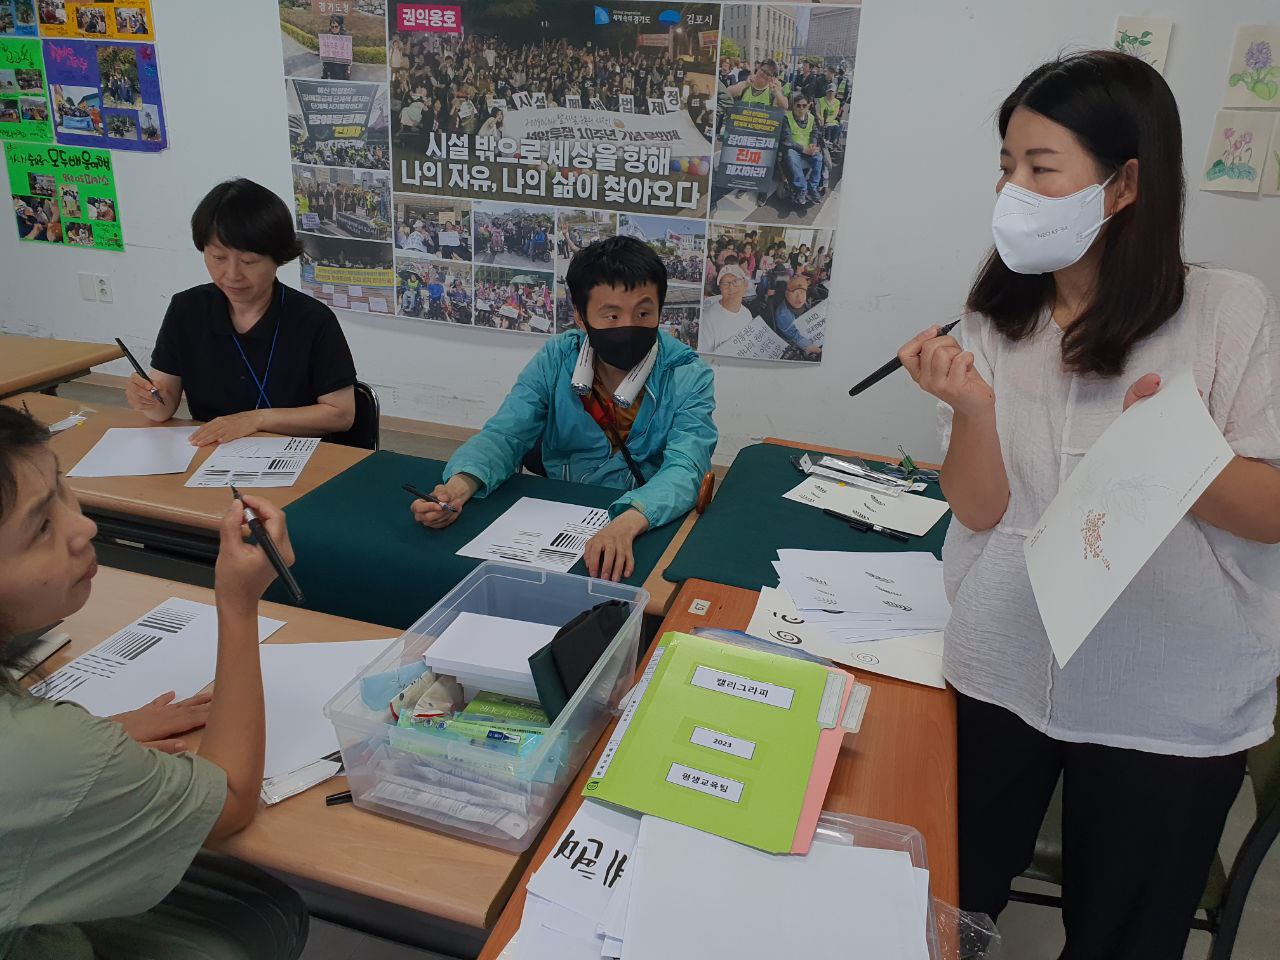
490 653
695 896
916 658
881 612
866 596
576 903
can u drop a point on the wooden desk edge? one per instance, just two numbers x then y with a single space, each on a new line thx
59 371
662 591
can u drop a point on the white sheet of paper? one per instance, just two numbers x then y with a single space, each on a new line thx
340 300
138 452
900 590
298 679
256 462
718 900
916 658
379 305
539 533
492 646
1123 499
908 513
614 925
174 646
589 860
549 931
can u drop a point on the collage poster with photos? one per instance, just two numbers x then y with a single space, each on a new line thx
105 94
64 196
450 160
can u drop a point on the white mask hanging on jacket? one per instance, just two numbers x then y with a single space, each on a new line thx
1035 234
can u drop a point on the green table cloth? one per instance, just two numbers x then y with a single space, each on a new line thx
737 538
361 555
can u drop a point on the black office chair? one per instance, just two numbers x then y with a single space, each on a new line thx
365 427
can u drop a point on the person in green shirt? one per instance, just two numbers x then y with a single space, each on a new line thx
828 112
102 834
762 88
801 148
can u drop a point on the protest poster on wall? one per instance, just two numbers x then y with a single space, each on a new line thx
17 18
105 94
24 104
510 142
106 19
64 195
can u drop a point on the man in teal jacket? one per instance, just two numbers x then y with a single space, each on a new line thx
665 438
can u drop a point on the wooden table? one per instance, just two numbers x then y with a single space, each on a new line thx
33 363
900 767
158 511
663 591
340 847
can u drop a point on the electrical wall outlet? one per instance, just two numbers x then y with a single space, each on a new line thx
88 287
103 286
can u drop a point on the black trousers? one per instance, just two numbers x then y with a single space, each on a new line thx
1139 831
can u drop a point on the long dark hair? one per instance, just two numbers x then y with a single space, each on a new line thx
1120 109
20 435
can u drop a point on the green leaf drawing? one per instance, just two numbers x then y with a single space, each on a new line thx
1144 41
1264 89
1217 171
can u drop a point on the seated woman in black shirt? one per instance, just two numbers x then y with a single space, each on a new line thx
250 353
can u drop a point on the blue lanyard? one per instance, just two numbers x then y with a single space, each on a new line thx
261 384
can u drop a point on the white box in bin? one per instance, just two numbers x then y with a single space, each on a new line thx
483 793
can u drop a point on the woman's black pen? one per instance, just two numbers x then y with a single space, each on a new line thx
891 366
862 526
415 492
138 367
268 545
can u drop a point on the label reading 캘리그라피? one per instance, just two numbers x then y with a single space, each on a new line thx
757 691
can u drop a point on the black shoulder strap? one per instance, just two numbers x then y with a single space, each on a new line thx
617 440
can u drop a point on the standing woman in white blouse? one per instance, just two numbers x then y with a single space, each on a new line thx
1084 304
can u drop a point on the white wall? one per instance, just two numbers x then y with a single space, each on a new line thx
914 224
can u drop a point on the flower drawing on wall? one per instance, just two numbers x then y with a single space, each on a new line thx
1261 75
1236 161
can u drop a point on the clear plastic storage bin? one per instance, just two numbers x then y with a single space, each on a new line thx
488 794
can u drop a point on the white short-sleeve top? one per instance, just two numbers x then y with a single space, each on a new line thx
1186 660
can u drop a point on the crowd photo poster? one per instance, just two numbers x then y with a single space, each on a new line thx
449 160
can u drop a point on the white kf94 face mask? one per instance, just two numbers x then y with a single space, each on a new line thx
1036 234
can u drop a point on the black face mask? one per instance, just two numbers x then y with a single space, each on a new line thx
622 347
